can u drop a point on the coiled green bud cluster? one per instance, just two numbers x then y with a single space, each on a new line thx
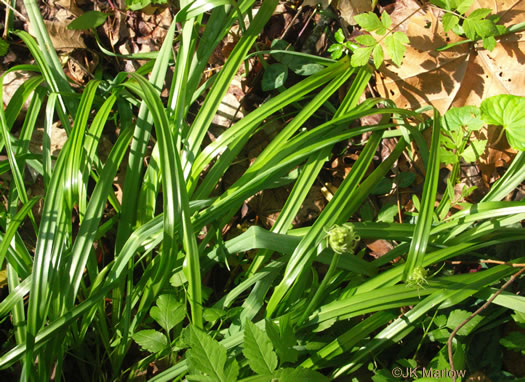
342 238
418 278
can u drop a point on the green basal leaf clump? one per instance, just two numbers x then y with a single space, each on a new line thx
418 278
342 238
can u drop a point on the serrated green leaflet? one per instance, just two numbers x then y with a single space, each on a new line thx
258 350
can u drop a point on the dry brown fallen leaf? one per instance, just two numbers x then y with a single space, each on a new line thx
63 39
461 76
350 8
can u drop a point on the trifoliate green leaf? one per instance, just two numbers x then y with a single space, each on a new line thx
88 20
449 21
378 56
151 340
168 312
396 46
366 40
361 56
370 22
474 150
386 20
339 36
258 349
507 111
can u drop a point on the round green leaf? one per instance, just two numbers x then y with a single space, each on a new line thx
507 111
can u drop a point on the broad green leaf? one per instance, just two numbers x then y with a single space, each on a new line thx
370 22
466 118
88 20
339 36
384 186
4 47
456 317
387 213
378 56
485 28
404 179
283 340
151 340
514 341
396 46
206 355
449 21
258 349
386 20
447 156
489 43
303 66
479 14
366 40
474 150
463 6
507 111
336 51
361 56
168 312
274 76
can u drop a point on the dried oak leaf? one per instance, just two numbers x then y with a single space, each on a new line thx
460 76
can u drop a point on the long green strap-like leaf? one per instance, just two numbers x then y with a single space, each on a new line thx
306 249
420 240
222 83
176 206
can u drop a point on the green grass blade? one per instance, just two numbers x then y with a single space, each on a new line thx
86 234
176 206
330 215
138 146
419 243
222 83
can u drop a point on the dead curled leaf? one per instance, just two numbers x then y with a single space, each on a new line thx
63 39
460 76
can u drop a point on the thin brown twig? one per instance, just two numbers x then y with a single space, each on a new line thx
14 10
499 262
483 307
299 10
